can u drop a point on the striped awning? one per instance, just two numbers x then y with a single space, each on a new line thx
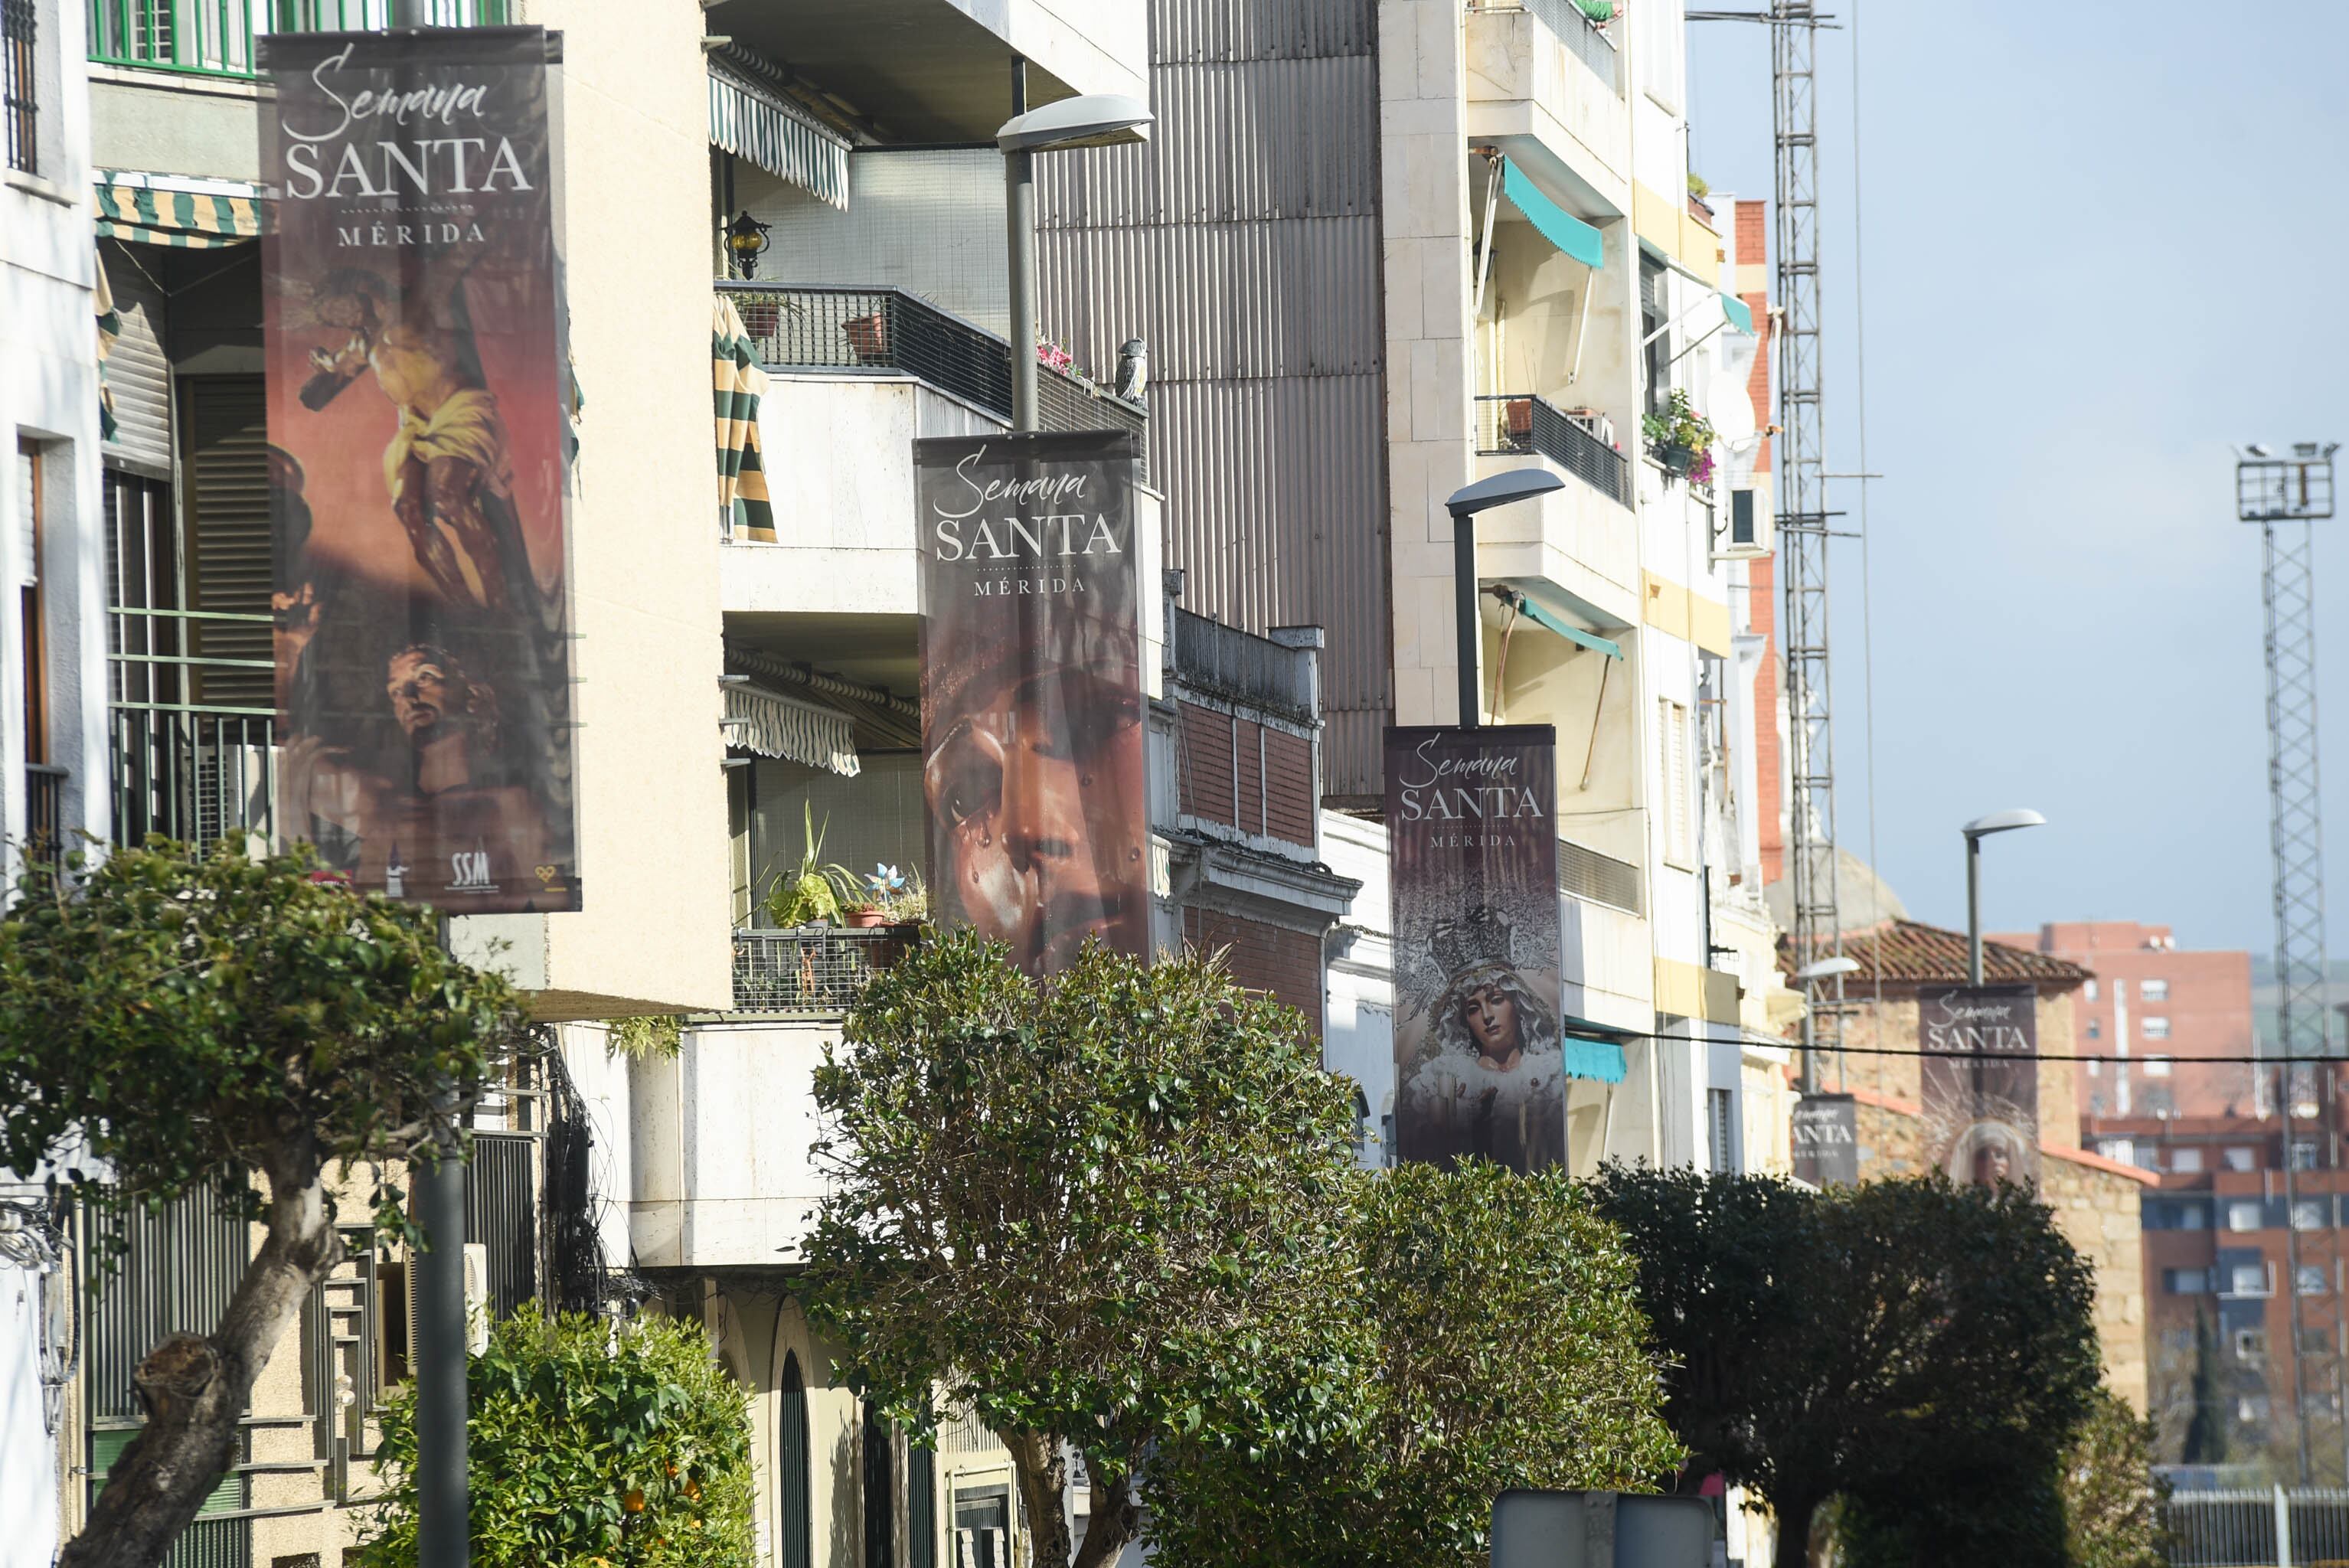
194 214
754 121
772 725
110 327
737 383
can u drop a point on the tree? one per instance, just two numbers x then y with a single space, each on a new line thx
1099 1211
2207 1428
1510 1352
172 1022
599 1444
1911 1345
2111 1496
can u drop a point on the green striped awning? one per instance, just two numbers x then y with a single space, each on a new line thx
754 121
131 207
110 327
736 386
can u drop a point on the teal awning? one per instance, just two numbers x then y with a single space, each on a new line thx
1739 317
1599 1059
1558 226
1564 628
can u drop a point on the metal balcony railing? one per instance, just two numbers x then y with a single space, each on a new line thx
216 38
847 330
194 737
811 971
1520 422
45 821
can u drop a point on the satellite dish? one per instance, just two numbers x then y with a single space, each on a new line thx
1731 407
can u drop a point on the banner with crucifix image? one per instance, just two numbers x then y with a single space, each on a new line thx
1979 1082
1472 841
412 320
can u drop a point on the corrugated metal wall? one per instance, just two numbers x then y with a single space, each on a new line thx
1242 245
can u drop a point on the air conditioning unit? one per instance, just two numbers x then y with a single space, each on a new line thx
1749 535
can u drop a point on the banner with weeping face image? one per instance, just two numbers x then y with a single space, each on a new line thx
1980 1083
1472 840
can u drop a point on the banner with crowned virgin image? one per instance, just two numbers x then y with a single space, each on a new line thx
1979 1086
412 315
1032 733
1472 840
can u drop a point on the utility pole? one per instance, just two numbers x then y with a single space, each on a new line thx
2285 496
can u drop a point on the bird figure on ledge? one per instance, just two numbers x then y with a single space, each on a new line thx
1133 369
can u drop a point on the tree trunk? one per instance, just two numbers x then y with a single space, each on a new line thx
1793 1545
1043 1475
1111 1523
196 1387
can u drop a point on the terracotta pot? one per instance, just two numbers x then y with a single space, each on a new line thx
868 919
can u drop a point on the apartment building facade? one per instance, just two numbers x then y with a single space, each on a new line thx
2152 1019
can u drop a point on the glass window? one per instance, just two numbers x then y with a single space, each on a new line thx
2186 1282
2154 990
2095 1032
2309 1279
2157 1067
2240 1159
2121 1148
2243 1215
2251 1343
2304 1154
2186 1161
2157 1028
2249 1279
2089 991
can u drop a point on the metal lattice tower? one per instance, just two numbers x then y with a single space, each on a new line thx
1802 509
2285 495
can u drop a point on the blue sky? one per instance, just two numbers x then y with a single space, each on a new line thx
2100 241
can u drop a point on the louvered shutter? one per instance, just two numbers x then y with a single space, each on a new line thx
229 558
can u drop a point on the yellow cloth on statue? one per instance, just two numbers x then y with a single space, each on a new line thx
466 425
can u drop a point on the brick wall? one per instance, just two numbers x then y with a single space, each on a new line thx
1288 964
1291 802
1206 768
1247 775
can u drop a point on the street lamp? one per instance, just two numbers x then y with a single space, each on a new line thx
1808 976
746 240
1096 119
1976 831
1464 504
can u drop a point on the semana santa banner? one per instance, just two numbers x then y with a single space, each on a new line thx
412 312
1033 712
1472 837
1981 1082
1826 1141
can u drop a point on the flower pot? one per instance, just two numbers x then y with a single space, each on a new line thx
867 919
1676 459
868 338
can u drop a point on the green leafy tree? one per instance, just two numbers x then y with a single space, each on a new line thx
171 1022
594 1444
1099 1211
1913 1345
2111 1496
1509 1352
2207 1426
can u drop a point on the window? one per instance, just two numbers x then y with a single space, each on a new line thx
795 1548
2156 1028
2304 1154
31 486
2248 1279
879 1444
2186 1161
2240 1159
2090 990
2121 1148
2251 1343
2243 1216
2154 990
19 93
2095 1032
2157 1067
2308 1214
2309 1279
2251 1407
1718 1143
1656 51
1654 318
2186 1282
1680 805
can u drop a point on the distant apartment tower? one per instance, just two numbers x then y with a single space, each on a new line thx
2157 1017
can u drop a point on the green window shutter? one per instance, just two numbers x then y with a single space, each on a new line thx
106 1447
230 564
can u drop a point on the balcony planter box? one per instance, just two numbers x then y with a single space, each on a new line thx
868 338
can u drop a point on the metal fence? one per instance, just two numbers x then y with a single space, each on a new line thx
216 38
2237 1529
848 330
1521 423
812 970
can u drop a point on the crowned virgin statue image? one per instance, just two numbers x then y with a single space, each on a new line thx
1489 1081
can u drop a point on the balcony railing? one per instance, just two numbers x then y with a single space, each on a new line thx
45 817
216 38
811 971
193 739
884 331
1572 23
1521 423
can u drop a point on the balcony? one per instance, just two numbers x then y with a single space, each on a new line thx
811 971
194 737
1545 87
1517 423
217 37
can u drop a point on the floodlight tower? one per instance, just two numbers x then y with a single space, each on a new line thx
2285 495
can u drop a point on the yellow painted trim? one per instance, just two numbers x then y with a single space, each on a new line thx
1700 250
1655 220
1688 991
1752 278
1708 625
1665 604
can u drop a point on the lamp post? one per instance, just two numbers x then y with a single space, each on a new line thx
1096 119
1808 976
1976 831
1464 504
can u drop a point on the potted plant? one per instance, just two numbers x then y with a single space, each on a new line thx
1679 436
810 893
